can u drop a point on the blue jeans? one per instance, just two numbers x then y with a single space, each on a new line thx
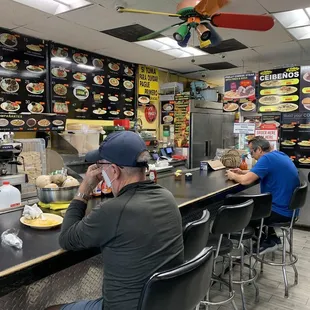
85 305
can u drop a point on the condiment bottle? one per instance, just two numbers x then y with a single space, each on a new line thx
97 191
243 165
153 175
105 190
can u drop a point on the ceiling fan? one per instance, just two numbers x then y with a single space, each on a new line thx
202 15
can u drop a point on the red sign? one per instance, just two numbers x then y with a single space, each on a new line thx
150 113
270 135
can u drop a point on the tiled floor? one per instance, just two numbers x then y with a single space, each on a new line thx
271 285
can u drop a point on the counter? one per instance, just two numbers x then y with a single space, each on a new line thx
41 255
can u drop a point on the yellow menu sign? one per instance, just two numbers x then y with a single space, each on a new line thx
148 82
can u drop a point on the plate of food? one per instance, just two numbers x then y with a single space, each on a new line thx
99 111
35 107
114 82
10 106
9 65
44 122
144 100
17 122
306 76
35 88
31 122
58 122
306 106
114 112
80 58
61 108
288 143
167 107
3 122
8 40
113 66
271 84
129 113
306 101
168 119
128 85
128 71
97 63
287 90
98 80
287 107
113 98
59 52
79 76
288 126
248 106
34 69
9 85
273 122
59 72
304 161
128 99
304 126
34 47
81 92
60 90
79 110
230 107
47 221
304 143
270 100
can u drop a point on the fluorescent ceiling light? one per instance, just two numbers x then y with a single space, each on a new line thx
55 6
86 67
59 59
170 47
308 11
291 19
300 33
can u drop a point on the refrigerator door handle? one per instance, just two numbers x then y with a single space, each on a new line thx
208 148
209 153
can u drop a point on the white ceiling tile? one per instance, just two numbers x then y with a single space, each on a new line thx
32 33
283 5
244 7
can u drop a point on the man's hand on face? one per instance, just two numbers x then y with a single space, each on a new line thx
92 177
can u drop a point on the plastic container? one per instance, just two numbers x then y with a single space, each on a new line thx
10 196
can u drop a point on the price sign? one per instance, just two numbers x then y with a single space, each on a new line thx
244 128
268 134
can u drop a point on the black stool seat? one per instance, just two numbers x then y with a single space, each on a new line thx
249 232
226 244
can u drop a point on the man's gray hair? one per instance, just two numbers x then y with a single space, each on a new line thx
144 157
260 142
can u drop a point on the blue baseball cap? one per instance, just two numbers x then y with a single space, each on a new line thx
121 148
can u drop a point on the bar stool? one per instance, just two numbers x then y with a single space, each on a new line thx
297 202
195 235
180 288
229 218
261 210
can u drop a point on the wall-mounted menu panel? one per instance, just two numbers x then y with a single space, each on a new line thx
91 86
304 105
23 73
181 120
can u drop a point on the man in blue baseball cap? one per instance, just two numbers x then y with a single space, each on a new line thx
139 231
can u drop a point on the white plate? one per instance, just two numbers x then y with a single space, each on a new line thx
34 47
247 110
59 52
79 74
99 112
31 66
3 122
3 65
304 77
99 64
144 100
55 72
129 113
167 107
98 80
307 106
113 66
3 38
168 119
115 81
47 216
58 122
79 96
128 85
4 85
30 106
35 92
128 71
114 112
4 107
113 98
273 122
79 59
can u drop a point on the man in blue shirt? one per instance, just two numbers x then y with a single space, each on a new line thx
278 176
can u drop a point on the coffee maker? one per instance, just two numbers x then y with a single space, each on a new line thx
9 161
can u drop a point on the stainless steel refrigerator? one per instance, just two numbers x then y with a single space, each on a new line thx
210 128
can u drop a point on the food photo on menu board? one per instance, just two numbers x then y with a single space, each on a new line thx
304 105
239 89
91 86
167 112
22 74
279 90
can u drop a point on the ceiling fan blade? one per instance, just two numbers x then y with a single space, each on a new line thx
209 7
243 21
123 10
156 34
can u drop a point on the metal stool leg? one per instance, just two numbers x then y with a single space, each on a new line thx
262 264
231 290
284 262
250 258
241 276
290 237
223 272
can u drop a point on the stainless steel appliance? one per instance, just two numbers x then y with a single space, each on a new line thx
9 162
210 129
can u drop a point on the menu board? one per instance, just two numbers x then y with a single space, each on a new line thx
304 105
279 90
32 122
181 120
167 112
22 73
91 86
295 137
239 90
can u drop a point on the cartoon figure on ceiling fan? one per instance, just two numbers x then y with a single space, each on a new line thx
202 15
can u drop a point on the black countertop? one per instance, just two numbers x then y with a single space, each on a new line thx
41 247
